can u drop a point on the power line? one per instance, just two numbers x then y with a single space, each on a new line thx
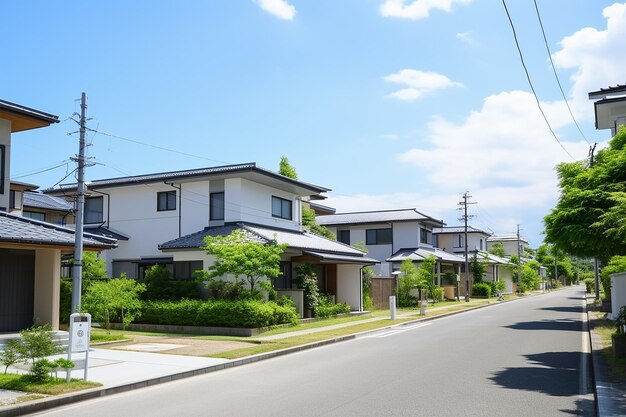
545 40
154 146
31 173
521 56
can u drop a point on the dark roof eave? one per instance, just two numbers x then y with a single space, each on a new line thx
28 112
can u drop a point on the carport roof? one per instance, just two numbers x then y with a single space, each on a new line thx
22 230
419 254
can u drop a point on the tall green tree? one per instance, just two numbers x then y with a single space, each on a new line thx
239 255
589 219
478 267
407 281
498 250
115 299
287 169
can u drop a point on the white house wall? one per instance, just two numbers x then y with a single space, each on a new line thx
406 235
449 242
194 206
248 201
349 285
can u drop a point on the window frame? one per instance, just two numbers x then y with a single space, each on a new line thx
341 236
101 212
212 215
426 236
282 202
167 200
29 215
377 238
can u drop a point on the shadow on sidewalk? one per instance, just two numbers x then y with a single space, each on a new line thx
567 324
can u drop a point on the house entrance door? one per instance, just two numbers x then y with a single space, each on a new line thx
17 289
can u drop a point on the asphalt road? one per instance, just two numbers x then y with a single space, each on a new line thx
524 358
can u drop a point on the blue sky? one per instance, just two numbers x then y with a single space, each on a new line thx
390 103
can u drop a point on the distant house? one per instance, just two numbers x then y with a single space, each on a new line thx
27 202
498 269
510 242
452 239
610 107
386 234
30 250
162 218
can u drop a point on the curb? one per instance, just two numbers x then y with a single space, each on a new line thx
65 399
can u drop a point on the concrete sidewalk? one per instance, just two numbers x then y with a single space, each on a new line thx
610 394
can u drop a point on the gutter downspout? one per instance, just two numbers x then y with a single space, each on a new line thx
180 202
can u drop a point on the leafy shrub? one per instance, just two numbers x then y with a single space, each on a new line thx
616 264
9 355
40 370
306 279
435 293
328 308
496 286
65 306
620 320
481 289
161 286
590 285
114 300
218 313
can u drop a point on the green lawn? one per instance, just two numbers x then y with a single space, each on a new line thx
54 386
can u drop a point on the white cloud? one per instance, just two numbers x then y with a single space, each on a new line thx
418 83
597 58
467 37
279 8
417 9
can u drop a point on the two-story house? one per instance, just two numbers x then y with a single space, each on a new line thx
452 239
510 242
163 218
30 250
385 234
25 201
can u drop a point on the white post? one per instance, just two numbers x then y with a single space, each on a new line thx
392 306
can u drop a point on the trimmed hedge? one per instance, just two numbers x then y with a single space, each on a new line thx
481 289
217 313
590 284
324 311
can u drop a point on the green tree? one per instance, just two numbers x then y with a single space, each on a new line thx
589 219
306 278
93 267
286 169
239 254
310 223
9 354
407 281
498 250
478 267
115 299
530 279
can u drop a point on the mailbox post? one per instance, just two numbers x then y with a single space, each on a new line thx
80 332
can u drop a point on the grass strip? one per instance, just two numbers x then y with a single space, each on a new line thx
54 386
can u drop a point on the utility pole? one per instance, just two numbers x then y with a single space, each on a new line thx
77 269
465 218
519 257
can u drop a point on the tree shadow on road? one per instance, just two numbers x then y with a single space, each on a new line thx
564 309
565 324
550 373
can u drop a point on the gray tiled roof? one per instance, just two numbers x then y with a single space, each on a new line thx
419 254
507 237
44 201
603 92
295 240
185 174
16 229
369 217
458 229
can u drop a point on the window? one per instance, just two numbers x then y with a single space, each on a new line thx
378 236
185 270
15 199
481 245
166 200
426 236
35 215
93 210
344 236
281 208
216 206
283 281
459 241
